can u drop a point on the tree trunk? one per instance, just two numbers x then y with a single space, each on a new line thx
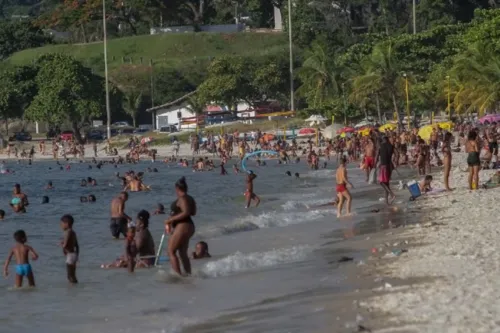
76 132
7 126
377 100
365 112
134 119
395 103
84 34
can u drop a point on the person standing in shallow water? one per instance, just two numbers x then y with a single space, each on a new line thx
180 226
19 200
119 220
384 157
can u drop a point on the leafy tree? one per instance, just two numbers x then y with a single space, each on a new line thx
134 81
67 91
227 82
17 36
170 84
17 90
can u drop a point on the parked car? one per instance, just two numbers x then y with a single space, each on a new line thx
67 135
20 136
126 131
141 130
95 135
121 124
168 129
490 118
114 132
53 133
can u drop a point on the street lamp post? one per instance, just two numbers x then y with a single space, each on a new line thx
414 16
292 101
407 101
108 111
449 97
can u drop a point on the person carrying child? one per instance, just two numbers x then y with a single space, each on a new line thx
21 252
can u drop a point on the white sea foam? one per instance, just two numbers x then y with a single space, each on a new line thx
265 220
243 262
294 204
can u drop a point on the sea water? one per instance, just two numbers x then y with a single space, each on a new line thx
269 264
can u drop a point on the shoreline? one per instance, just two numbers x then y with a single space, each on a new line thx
447 279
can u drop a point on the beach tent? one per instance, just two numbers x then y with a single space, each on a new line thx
316 119
388 127
330 131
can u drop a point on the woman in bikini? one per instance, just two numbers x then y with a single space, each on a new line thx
181 227
446 150
473 160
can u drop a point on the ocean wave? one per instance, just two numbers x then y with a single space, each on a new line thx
240 262
294 204
264 220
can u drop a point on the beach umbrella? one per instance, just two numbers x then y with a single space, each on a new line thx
307 131
446 125
365 131
426 131
387 127
346 129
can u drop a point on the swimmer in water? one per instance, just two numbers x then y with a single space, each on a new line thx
19 200
21 252
49 186
91 198
2 214
342 191
160 210
249 194
288 173
201 251
297 175
45 199
83 183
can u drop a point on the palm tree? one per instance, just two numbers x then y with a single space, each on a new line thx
320 78
131 104
477 74
196 106
381 76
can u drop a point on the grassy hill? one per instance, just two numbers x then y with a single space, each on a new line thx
170 50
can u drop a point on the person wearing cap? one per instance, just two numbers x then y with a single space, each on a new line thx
249 194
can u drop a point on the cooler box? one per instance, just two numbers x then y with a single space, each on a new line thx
414 189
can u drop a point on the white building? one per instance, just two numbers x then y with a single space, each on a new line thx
171 115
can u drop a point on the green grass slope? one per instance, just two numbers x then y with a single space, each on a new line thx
170 50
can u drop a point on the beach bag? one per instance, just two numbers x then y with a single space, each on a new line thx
372 179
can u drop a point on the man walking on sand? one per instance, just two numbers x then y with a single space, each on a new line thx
384 158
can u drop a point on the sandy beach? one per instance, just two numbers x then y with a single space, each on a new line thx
456 253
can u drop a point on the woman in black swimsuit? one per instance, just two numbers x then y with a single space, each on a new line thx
180 227
473 160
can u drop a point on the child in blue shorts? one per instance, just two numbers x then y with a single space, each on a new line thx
21 252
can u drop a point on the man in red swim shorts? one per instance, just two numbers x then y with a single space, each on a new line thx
385 169
342 191
369 160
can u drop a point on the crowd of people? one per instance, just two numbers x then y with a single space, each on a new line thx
379 154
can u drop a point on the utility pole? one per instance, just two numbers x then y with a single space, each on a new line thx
108 111
292 101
